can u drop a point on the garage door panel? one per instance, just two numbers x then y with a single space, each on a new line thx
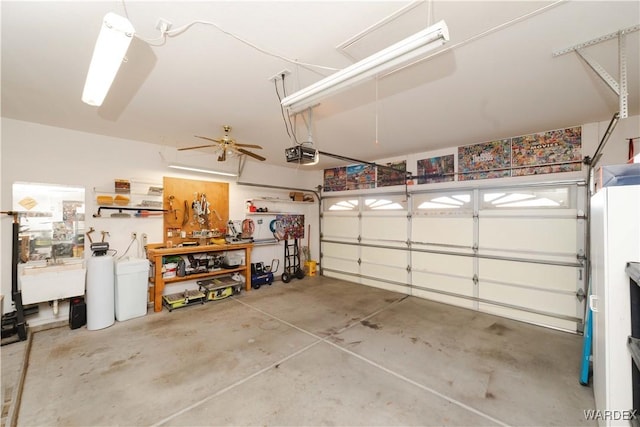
521 273
384 272
340 227
439 263
341 250
393 257
341 276
340 257
524 316
340 264
447 284
446 299
541 235
384 228
442 230
380 284
558 304
387 264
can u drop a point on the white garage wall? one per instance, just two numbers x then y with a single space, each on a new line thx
42 154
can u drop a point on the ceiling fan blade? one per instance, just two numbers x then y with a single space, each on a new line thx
209 139
254 155
197 146
248 145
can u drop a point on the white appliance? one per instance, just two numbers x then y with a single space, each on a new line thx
131 288
615 240
100 292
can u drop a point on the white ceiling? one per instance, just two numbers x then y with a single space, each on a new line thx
495 78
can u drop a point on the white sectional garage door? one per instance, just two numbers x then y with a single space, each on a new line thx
516 252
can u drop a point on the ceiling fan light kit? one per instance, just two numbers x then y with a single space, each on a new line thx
111 47
384 61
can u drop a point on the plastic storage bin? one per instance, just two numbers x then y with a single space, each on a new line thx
131 288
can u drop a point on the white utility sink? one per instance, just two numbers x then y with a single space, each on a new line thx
40 283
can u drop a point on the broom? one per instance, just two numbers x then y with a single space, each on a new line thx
306 251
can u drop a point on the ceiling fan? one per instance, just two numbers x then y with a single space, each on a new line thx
226 143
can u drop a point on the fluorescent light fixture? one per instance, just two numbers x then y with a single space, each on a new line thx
201 170
386 60
113 41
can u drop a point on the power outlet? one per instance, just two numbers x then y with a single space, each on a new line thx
280 75
163 25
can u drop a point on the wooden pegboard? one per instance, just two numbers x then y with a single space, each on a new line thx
180 221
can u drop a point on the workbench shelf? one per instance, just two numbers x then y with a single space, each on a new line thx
157 251
211 273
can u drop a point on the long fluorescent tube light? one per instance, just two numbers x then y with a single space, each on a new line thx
201 170
113 41
384 61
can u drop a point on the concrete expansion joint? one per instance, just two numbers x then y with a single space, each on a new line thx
327 339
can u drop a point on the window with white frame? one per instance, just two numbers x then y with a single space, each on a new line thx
460 200
556 197
373 203
385 203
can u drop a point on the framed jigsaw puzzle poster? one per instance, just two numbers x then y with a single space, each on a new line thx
360 177
436 169
547 152
335 179
394 174
485 160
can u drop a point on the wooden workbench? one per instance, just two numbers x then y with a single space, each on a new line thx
156 251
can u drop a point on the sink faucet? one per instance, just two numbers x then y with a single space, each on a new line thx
53 259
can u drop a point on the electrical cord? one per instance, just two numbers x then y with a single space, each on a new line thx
284 92
284 119
176 32
287 124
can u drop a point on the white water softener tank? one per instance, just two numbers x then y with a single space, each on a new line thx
132 278
100 292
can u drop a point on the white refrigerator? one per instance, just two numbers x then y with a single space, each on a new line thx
615 240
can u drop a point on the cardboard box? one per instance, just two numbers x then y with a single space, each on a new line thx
296 196
122 186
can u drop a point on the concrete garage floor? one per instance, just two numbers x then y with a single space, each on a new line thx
317 351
